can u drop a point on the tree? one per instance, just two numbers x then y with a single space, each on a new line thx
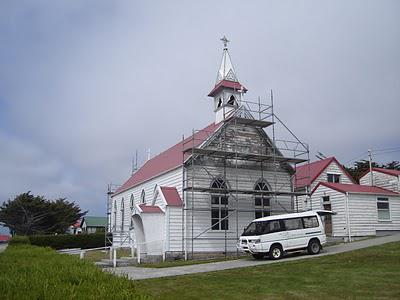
28 214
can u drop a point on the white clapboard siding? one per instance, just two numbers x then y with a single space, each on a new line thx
303 202
174 228
362 213
338 205
382 180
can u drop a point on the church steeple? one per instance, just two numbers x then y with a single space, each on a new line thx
228 91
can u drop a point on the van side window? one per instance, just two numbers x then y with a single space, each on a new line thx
274 226
293 224
310 222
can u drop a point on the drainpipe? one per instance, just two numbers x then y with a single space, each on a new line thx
348 217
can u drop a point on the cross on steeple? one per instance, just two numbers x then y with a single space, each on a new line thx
225 41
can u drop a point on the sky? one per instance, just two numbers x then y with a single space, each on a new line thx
84 84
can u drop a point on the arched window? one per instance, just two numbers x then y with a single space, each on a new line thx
232 100
219 206
219 104
132 201
115 215
122 214
143 197
262 202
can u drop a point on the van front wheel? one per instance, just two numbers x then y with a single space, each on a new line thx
275 252
314 247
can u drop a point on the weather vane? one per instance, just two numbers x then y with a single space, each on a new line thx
225 41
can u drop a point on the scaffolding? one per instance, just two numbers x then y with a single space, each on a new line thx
225 153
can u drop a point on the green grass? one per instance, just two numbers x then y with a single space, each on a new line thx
177 263
30 272
98 255
372 273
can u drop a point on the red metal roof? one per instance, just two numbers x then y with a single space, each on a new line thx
171 195
387 171
356 188
167 160
227 84
150 208
4 238
306 174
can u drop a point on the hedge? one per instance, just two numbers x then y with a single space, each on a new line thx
65 241
19 240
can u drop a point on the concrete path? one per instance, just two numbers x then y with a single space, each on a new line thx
3 247
137 273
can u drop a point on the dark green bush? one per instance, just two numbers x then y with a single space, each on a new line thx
64 241
19 239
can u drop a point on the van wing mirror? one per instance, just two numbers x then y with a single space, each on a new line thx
325 212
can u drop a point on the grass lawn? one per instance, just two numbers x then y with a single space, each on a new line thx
98 255
30 272
177 263
372 273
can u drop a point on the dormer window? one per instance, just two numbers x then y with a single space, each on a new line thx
219 103
335 178
232 100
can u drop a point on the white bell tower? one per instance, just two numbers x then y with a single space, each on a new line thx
228 91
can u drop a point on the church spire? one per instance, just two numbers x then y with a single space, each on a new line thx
226 70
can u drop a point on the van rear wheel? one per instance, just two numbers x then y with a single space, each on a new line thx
275 252
314 247
258 255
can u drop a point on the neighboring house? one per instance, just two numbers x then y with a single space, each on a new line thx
360 210
385 178
309 175
75 228
198 195
93 224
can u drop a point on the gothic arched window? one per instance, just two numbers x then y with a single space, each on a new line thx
115 215
219 205
122 214
262 202
132 201
232 100
143 197
219 104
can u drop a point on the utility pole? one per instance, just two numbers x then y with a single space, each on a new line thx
370 166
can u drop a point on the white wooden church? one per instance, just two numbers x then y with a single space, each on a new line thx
196 197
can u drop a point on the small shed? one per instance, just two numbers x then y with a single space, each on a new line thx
360 210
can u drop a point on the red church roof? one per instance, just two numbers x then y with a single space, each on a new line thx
356 188
167 160
306 174
171 195
150 208
227 84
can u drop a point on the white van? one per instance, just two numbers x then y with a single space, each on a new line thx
275 235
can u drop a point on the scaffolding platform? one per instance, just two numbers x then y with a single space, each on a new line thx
247 121
243 156
242 191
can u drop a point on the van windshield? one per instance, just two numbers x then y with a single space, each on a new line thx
262 227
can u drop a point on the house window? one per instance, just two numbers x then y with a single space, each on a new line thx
143 197
383 208
122 214
335 178
262 203
231 100
219 206
325 199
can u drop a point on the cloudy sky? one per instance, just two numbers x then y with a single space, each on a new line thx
83 84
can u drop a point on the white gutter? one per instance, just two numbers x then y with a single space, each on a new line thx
348 217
